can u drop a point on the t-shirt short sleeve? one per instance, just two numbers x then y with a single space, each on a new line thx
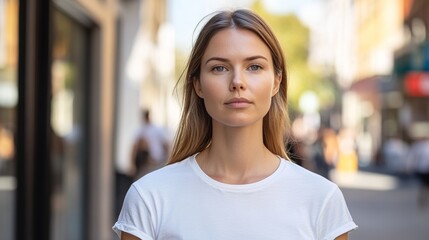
135 217
334 219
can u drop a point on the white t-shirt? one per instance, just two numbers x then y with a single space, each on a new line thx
180 201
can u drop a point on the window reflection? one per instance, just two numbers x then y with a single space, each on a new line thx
68 108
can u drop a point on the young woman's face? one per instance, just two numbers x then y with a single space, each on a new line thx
237 79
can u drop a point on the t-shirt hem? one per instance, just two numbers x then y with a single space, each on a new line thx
121 227
341 230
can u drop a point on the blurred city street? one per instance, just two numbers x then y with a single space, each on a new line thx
76 76
385 208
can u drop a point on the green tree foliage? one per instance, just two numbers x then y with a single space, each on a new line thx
179 70
181 60
294 37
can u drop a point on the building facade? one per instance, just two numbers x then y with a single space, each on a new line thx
74 75
379 32
64 99
64 120
411 73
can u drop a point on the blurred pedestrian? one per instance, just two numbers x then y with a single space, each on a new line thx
7 151
418 160
323 154
347 152
229 176
394 152
150 148
330 142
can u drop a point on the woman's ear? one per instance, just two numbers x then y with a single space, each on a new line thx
276 86
197 87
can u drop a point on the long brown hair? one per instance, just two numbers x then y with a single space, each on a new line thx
195 129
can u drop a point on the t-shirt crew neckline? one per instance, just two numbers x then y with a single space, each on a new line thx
249 187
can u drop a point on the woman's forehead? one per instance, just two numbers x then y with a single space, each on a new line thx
235 42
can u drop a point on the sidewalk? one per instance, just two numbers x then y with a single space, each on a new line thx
365 180
384 206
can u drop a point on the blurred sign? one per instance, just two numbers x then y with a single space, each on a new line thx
415 58
417 84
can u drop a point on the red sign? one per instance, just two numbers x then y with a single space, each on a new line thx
417 84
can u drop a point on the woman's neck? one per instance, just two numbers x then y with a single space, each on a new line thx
237 156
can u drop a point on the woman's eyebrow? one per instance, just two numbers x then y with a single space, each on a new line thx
256 57
226 60
217 59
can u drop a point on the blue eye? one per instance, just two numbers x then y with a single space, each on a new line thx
255 67
219 69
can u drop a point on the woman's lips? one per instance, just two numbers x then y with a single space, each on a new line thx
238 103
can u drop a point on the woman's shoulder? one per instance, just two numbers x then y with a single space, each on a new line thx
168 174
301 177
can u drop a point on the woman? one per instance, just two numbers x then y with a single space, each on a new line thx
228 177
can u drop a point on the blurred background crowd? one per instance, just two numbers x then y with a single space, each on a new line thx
78 77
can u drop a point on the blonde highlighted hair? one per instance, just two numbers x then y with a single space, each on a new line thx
195 129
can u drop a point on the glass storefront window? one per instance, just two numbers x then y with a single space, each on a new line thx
8 104
68 126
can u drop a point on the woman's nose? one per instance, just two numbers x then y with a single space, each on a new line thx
237 82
